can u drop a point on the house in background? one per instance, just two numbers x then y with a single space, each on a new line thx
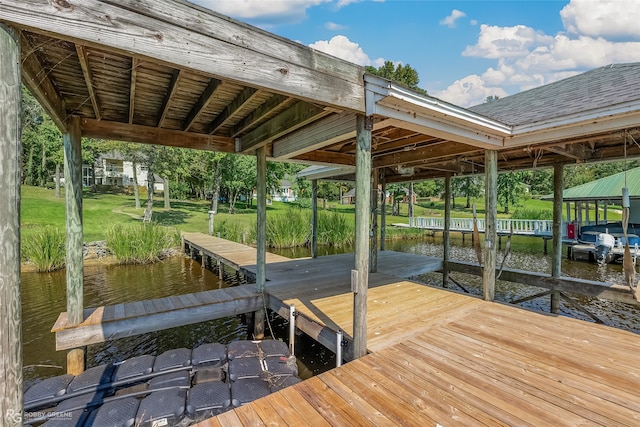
284 193
113 170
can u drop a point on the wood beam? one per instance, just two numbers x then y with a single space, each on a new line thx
213 44
135 63
490 233
323 133
95 329
556 261
259 114
205 98
261 243
328 158
153 135
36 79
446 235
74 262
563 283
83 58
573 151
295 117
171 90
10 281
230 110
363 194
423 154
314 218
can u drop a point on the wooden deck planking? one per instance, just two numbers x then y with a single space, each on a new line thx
472 370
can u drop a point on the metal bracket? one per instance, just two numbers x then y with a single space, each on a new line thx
368 123
354 281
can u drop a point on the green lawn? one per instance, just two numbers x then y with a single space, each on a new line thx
100 211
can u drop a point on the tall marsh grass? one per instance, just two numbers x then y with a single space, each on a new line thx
140 244
44 247
288 229
334 229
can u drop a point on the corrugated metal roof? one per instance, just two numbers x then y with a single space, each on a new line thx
609 188
602 87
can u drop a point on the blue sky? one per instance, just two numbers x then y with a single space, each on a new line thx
464 51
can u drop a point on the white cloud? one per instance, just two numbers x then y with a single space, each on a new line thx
272 11
344 48
469 91
604 18
450 21
335 27
596 35
500 42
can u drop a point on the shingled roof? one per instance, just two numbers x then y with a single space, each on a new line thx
613 84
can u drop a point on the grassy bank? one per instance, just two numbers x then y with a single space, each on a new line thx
288 224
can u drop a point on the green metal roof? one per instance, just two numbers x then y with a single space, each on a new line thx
609 188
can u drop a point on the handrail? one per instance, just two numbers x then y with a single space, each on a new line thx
526 227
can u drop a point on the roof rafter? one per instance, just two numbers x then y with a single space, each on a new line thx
230 110
83 58
422 155
41 87
259 114
171 90
203 102
135 63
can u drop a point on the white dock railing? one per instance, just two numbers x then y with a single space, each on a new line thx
522 227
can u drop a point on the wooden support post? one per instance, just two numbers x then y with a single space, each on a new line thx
446 235
606 206
383 210
568 206
410 209
373 232
587 213
10 282
74 263
491 213
314 218
261 239
597 211
556 261
363 185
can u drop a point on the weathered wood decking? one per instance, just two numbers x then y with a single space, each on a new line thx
123 320
467 363
442 357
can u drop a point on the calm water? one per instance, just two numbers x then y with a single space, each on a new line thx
44 298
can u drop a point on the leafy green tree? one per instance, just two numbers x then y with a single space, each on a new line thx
468 186
430 188
491 98
403 74
510 189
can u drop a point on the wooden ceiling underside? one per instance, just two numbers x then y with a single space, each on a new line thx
140 99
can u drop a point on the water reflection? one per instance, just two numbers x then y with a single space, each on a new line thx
44 297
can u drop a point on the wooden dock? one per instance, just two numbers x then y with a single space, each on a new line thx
124 320
440 357
436 356
469 362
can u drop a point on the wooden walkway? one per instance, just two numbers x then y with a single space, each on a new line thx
124 320
468 362
440 357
